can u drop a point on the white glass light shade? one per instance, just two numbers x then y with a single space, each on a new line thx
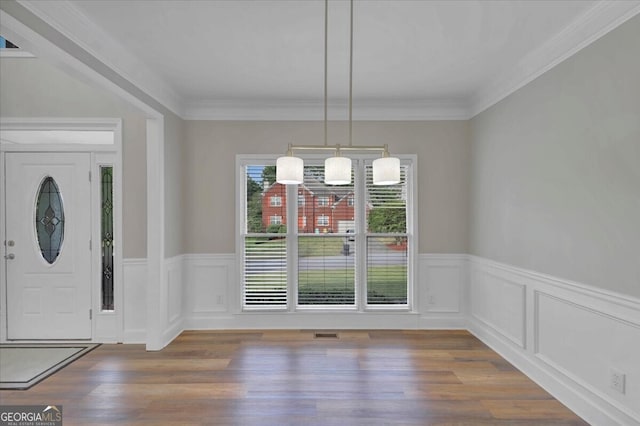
289 170
337 171
386 171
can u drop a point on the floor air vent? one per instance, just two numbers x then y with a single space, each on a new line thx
326 335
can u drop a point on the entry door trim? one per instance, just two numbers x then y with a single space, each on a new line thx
107 327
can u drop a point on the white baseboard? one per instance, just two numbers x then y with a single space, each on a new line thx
305 321
135 300
135 336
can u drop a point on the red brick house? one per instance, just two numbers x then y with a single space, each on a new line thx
322 210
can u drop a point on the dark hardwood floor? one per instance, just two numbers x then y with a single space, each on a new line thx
292 378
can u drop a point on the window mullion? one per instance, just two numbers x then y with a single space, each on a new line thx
361 226
292 246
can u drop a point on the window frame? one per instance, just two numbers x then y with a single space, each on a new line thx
359 236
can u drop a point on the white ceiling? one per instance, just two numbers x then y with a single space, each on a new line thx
263 59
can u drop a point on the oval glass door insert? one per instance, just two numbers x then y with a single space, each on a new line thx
49 220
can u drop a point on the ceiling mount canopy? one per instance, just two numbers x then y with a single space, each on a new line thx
337 169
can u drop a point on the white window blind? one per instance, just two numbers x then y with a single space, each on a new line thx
264 240
326 259
326 273
387 262
265 272
387 241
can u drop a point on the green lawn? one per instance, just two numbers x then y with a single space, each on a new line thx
307 246
385 284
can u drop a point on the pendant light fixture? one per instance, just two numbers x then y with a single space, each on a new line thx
386 170
289 169
337 169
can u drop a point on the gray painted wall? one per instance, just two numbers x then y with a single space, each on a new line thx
174 187
443 154
556 169
30 87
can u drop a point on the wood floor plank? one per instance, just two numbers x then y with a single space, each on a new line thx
528 409
292 377
172 365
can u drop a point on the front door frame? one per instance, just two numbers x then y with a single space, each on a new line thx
107 326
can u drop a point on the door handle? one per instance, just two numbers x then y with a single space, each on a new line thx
10 256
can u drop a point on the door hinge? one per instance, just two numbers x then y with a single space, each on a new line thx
90 314
89 175
90 245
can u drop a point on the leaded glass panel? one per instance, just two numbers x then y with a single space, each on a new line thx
49 220
106 194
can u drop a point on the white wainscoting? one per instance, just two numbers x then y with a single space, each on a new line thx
442 291
174 279
203 293
498 301
213 291
134 272
566 336
210 284
135 299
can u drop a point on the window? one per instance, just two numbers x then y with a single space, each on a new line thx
352 247
106 231
49 220
275 220
275 201
323 221
387 241
6 44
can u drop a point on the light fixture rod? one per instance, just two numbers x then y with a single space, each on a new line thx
382 148
326 31
351 75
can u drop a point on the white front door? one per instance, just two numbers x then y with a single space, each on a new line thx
48 255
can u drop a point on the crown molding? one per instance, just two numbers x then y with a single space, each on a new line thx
603 17
73 24
287 110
